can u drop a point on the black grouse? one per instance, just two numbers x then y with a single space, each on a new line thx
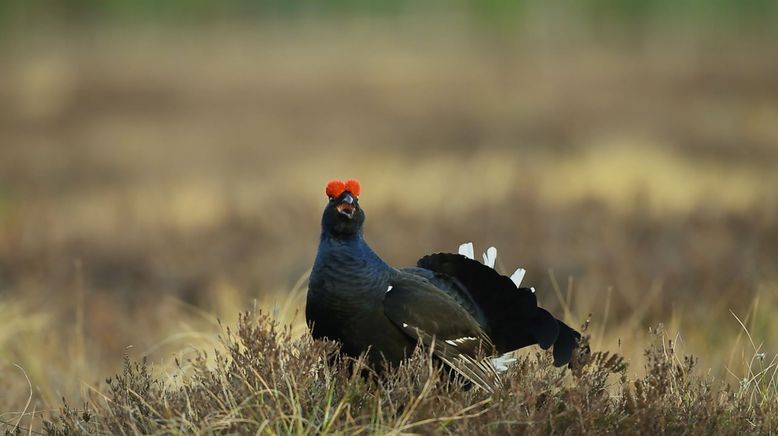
460 308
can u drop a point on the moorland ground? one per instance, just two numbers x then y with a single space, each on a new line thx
155 180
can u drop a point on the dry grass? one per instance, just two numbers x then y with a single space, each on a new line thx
145 193
266 381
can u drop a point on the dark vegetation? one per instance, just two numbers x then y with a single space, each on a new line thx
264 380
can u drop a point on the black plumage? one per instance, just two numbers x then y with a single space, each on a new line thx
462 309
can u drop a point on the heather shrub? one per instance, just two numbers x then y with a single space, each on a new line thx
262 380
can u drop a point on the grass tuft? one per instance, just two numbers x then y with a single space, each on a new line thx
263 380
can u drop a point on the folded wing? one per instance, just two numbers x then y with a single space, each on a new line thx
430 316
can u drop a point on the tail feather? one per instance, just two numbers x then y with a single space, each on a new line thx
502 362
565 344
512 313
545 328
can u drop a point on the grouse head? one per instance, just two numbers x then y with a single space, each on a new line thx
343 218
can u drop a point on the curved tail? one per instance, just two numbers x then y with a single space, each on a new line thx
513 317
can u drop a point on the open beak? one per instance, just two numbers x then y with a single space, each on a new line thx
346 206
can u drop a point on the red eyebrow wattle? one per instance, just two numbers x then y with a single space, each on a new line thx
352 186
337 187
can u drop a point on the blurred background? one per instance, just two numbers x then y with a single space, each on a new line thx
162 166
